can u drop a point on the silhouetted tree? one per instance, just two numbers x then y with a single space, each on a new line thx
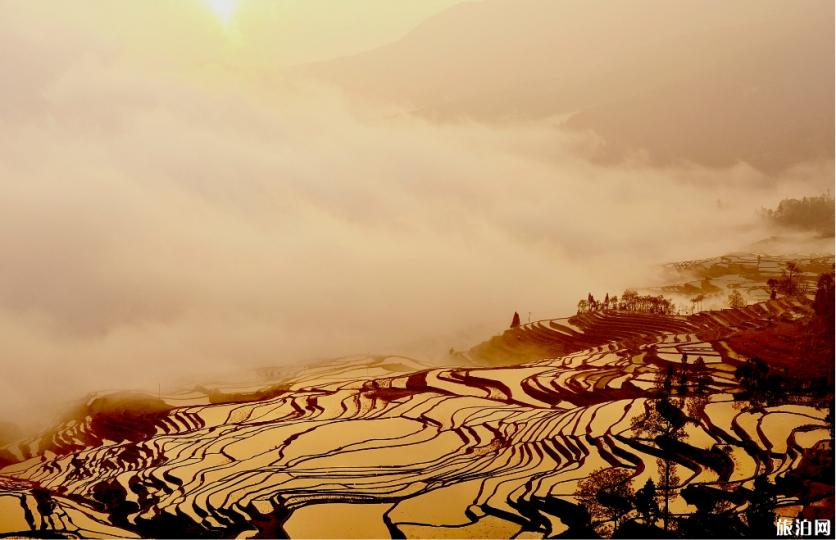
632 301
736 300
664 383
823 303
760 514
753 377
608 497
682 386
699 393
792 270
668 480
697 301
788 284
629 298
715 516
772 283
663 422
515 320
46 507
579 522
701 376
647 504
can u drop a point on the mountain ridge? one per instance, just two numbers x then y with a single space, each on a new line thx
621 74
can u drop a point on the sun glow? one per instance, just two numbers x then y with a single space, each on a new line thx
223 9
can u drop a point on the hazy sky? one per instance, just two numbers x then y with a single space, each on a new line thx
166 215
242 33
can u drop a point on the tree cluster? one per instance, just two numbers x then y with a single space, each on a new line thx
615 509
809 213
630 301
760 385
788 283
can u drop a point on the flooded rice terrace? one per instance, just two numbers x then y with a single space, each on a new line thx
385 446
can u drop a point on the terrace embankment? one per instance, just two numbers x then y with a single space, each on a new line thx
371 446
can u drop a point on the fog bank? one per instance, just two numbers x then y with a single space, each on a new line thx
159 227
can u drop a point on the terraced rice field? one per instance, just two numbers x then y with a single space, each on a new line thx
747 273
386 446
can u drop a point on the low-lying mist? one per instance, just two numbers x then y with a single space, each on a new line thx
157 230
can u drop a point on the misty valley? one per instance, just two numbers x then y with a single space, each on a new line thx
417 269
628 419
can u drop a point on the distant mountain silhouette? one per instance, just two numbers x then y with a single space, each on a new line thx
709 82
